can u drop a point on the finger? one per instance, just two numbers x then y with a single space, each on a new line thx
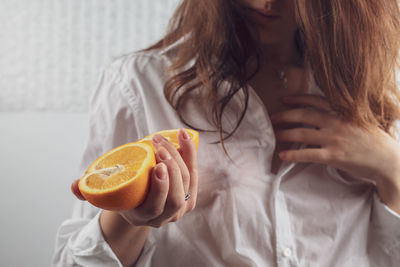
189 155
75 190
302 115
154 204
317 155
178 158
302 135
176 196
315 101
184 142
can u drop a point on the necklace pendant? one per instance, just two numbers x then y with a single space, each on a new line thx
285 83
283 78
281 75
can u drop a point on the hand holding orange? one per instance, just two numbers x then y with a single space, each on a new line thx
120 178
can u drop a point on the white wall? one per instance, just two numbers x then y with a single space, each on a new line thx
51 50
39 155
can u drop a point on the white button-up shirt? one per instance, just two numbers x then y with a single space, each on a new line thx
305 215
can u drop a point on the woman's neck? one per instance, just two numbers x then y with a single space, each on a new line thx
276 60
279 55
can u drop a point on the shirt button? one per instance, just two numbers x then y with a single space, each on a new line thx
287 252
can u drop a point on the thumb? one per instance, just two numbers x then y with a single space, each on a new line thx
75 190
153 205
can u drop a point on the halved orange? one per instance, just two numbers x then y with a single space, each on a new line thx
119 179
172 136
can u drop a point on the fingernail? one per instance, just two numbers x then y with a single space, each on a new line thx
186 136
157 139
160 172
163 154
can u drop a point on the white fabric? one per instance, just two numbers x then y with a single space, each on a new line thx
306 215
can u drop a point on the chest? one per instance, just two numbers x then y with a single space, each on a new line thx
270 91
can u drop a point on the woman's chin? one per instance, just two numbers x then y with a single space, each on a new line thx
271 39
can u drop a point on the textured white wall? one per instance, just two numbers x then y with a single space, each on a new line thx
51 51
39 158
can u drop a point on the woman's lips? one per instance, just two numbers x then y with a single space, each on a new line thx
266 15
268 12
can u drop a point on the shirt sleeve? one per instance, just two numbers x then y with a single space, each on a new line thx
384 234
112 122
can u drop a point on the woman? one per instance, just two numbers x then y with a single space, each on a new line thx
301 96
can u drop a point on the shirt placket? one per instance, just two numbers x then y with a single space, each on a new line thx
285 248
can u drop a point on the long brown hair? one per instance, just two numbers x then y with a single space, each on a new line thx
352 47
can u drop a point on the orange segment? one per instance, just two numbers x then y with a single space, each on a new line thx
118 179
127 156
96 180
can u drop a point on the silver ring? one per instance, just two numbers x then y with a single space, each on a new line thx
187 196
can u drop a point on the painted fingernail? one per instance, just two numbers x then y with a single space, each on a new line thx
163 154
161 172
157 139
186 136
